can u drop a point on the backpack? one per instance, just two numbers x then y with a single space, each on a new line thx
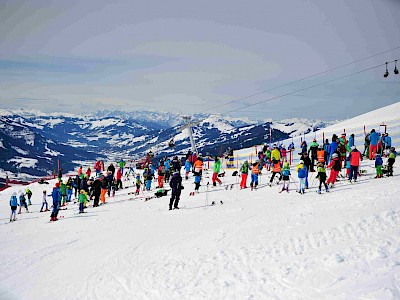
286 172
302 172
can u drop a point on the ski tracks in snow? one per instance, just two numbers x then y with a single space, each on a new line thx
279 268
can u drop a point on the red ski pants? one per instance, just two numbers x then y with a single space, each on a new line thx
332 176
372 151
160 181
215 178
243 182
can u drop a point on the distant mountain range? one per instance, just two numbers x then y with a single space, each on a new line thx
32 142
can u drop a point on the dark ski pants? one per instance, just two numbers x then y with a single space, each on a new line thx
96 200
174 196
54 212
43 205
273 176
119 185
323 182
353 172
81 207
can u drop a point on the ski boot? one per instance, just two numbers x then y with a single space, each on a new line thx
319 191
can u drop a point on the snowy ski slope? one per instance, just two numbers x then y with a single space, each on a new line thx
257 245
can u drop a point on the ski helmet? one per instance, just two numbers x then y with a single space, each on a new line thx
334 155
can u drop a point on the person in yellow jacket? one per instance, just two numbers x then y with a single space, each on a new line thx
275 154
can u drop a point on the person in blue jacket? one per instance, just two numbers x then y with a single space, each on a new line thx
167 165
378 166
188 167
326 149
301 170
149 178
388 141
13 205
56 195
332 147
350 142
197 181
373 143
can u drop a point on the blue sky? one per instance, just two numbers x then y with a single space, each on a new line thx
188 57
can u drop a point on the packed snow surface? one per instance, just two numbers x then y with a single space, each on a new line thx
257 245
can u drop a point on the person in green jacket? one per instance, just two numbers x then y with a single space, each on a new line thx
82 198
122 164
216 169
63 191
245 172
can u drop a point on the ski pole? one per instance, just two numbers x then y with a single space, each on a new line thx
207 193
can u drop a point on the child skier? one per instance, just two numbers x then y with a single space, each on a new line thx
245 172
82 200
197 180
28 193
301 170
44 202
348 167
138 184
391 160
378 165
13 205
254 176
321 176
335 164
22 202
285 177
276 169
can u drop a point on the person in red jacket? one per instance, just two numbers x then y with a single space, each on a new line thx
161 174
335 165
355 158
118 177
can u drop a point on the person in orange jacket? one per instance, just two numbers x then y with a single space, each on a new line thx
198 165
276 169
321 154
254 176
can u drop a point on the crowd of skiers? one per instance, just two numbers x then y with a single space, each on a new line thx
341 153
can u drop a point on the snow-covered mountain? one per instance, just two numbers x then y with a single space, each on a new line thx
25 151
115 134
